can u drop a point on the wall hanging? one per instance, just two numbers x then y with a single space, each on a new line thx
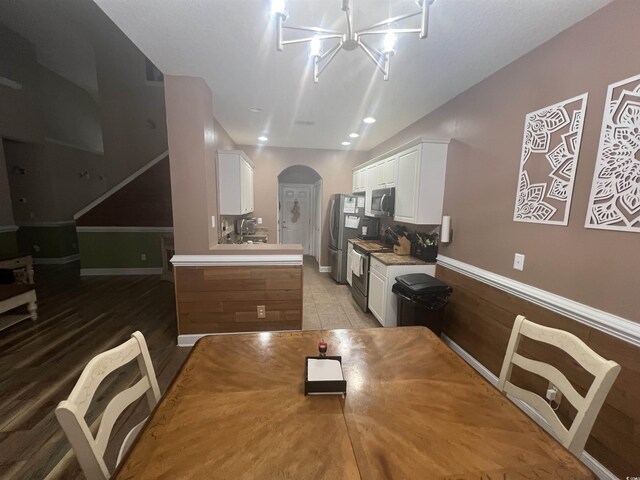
614 203
550 149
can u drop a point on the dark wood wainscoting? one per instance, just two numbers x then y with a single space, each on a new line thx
479 318
225 299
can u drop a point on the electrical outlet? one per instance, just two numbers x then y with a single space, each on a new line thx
143 257
262 311
518 262
554 395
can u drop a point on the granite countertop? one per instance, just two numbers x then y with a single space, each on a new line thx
257 249
393 259
370 246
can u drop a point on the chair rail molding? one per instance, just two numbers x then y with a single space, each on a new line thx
234 260
609 323
8 228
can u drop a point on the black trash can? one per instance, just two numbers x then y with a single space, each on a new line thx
421 300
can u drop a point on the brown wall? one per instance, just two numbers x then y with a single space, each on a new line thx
144 202
194 137
6 211
595 267
333 166
479 318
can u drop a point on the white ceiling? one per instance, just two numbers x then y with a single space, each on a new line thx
230 43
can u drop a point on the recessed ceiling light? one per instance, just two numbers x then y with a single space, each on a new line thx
255 110
263 138
369 120
346 143
354 135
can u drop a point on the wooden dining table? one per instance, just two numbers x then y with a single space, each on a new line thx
413 410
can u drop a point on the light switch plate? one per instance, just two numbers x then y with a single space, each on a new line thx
518 262
213 221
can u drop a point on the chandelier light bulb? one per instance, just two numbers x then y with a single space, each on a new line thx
315 47
389 43
279 7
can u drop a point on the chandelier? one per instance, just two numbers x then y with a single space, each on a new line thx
352 39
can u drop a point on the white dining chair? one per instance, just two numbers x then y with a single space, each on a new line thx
604 372
71 412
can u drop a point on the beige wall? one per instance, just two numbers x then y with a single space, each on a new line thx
6 211
333 166
71 115
194 137
51 172
20 112
596 267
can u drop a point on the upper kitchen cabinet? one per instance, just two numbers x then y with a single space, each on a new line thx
420 175
235 183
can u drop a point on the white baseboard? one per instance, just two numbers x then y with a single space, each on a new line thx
596 467
87 272
57 261
323 269
606 322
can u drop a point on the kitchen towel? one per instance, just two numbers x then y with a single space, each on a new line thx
356 263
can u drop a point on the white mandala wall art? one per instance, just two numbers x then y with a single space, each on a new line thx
614 203
550 150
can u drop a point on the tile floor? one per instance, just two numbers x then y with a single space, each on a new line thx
328 305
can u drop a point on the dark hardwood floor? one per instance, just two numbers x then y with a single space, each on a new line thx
41 361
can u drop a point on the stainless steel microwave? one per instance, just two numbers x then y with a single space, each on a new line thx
382 202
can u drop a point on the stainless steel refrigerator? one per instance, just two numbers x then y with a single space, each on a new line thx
345 222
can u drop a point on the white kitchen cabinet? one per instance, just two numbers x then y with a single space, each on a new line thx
377 289
382 302
356 178
419 181
370 182
235 183
389 172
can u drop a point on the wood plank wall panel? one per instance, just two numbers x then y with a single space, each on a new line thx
225 299
479 318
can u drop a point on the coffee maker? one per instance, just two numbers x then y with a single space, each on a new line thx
370 228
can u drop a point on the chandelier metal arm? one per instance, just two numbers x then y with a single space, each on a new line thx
328 55
390 20
383 66
389 30
346 7
308 39
312 29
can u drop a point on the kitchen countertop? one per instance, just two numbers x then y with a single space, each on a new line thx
257 249
393 259
370 246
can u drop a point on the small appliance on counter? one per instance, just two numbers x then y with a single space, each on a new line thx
246 226
370 229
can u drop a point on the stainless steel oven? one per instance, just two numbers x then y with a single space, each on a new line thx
360 284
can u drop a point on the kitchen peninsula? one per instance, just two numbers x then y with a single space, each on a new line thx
238 288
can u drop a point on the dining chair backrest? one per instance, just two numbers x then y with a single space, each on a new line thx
604 372
71 412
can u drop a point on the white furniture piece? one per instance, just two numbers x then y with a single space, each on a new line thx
14 296
71 412
235 183
604 373
19 263
420 177
382 301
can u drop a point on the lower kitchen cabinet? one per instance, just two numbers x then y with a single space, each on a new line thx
383 303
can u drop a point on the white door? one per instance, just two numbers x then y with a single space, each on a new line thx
295 209
377 295
317 219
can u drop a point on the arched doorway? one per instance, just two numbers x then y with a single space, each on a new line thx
300 208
